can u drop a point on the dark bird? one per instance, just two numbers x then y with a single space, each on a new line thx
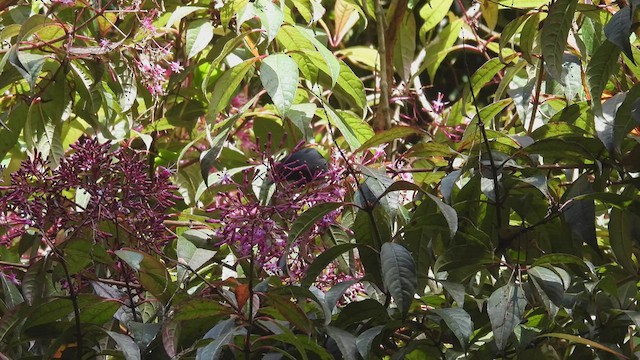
305 164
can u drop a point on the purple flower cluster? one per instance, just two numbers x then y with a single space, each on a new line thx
252 227
120 197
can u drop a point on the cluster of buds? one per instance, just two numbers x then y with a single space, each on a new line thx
92 189
258 229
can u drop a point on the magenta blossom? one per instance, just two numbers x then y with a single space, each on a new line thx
113 189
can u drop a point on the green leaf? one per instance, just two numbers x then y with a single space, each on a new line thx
181 12
229 46
432 13
448 212
398 274
333 295
346 342
359 312
28 65
153 274
549 282
271 17
602 64
350 88
339 121
10 132
345 17
389 135
555 30
208 158
95 310
618 30
49 312
199 35
405 46
78 254
509 31
222 334
225 88
489 11
127 346
291 312
198 309
580 214
485 74
308 218
621 237
440 48
624 120
560 259
191 256
304 344
528 37
505 308
324 259
279 76
12 296
459 321
365 340
571 76
301 116
333 64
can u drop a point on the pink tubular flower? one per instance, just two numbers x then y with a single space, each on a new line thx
175 67
438 104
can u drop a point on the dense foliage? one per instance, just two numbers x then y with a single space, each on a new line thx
306 179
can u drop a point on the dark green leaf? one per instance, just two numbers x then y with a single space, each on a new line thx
153 274
346 342
12 296
324 259
399 274
621 237
459 321
222 334
505 308
580 214
618 30
308 218
599 69
555 30
365 340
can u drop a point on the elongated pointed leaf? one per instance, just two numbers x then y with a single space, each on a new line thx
308 218
555 30
621 237
459 321
127 346
600 67
365 340
225 88
399 274
199 35
346 342
618 30
505 308
279 75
